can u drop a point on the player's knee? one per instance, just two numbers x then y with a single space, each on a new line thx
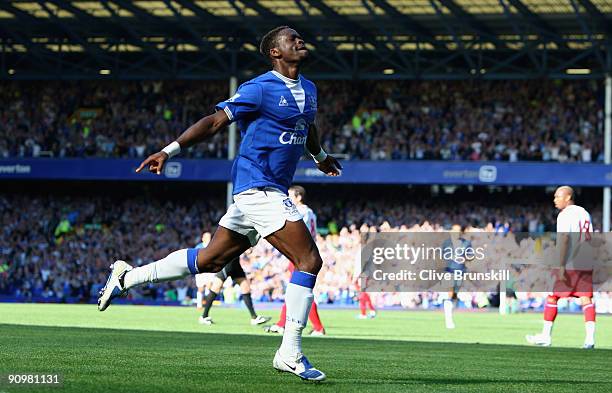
213 266
210 262
244 286
312 263
217 282
552 299
585 300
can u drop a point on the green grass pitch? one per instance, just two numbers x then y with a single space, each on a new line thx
164 349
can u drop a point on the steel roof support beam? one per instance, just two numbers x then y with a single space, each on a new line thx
527 50
478 26
213 20
539 24
101 56
198 41
407 65
572 62
88 23
48 58
520 32
587 31
444 61
281 21
603 22
453 33
354 29
138 39
45 57
408 23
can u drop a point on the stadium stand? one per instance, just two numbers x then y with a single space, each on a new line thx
57 246
560 121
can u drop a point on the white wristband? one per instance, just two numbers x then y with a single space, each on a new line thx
172 149
319 157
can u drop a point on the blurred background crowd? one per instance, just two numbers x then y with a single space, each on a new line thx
544 120
57 247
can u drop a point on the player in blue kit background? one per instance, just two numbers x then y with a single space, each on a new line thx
276 113
456 241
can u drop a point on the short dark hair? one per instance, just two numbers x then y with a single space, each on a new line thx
270 40
299 190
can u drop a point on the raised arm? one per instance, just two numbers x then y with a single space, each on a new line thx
198 132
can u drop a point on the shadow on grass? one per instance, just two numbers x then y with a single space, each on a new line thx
352 364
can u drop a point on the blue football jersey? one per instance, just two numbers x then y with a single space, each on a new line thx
461 244
274 114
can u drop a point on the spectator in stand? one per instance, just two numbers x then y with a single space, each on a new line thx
58 248
512 121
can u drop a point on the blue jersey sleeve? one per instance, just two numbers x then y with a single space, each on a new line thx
247 100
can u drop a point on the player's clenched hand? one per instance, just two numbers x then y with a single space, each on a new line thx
155 162
330 166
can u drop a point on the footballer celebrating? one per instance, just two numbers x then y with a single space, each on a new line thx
276 115
573 228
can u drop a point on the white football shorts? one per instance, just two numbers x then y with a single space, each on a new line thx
259 212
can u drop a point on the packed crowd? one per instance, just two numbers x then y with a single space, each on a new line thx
103 119
61 247
509 121
58 248
378 120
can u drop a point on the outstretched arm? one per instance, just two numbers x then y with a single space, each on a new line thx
199 131
203 129
326 163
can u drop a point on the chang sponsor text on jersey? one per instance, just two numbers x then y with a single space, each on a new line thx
274 114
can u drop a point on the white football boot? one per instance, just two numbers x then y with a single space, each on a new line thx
539 340
298 365
274 329
113 287
259 320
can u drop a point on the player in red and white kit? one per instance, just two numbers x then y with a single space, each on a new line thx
574 228
365 302
297 195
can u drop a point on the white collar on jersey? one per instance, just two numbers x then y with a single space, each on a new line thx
296 89
285 79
